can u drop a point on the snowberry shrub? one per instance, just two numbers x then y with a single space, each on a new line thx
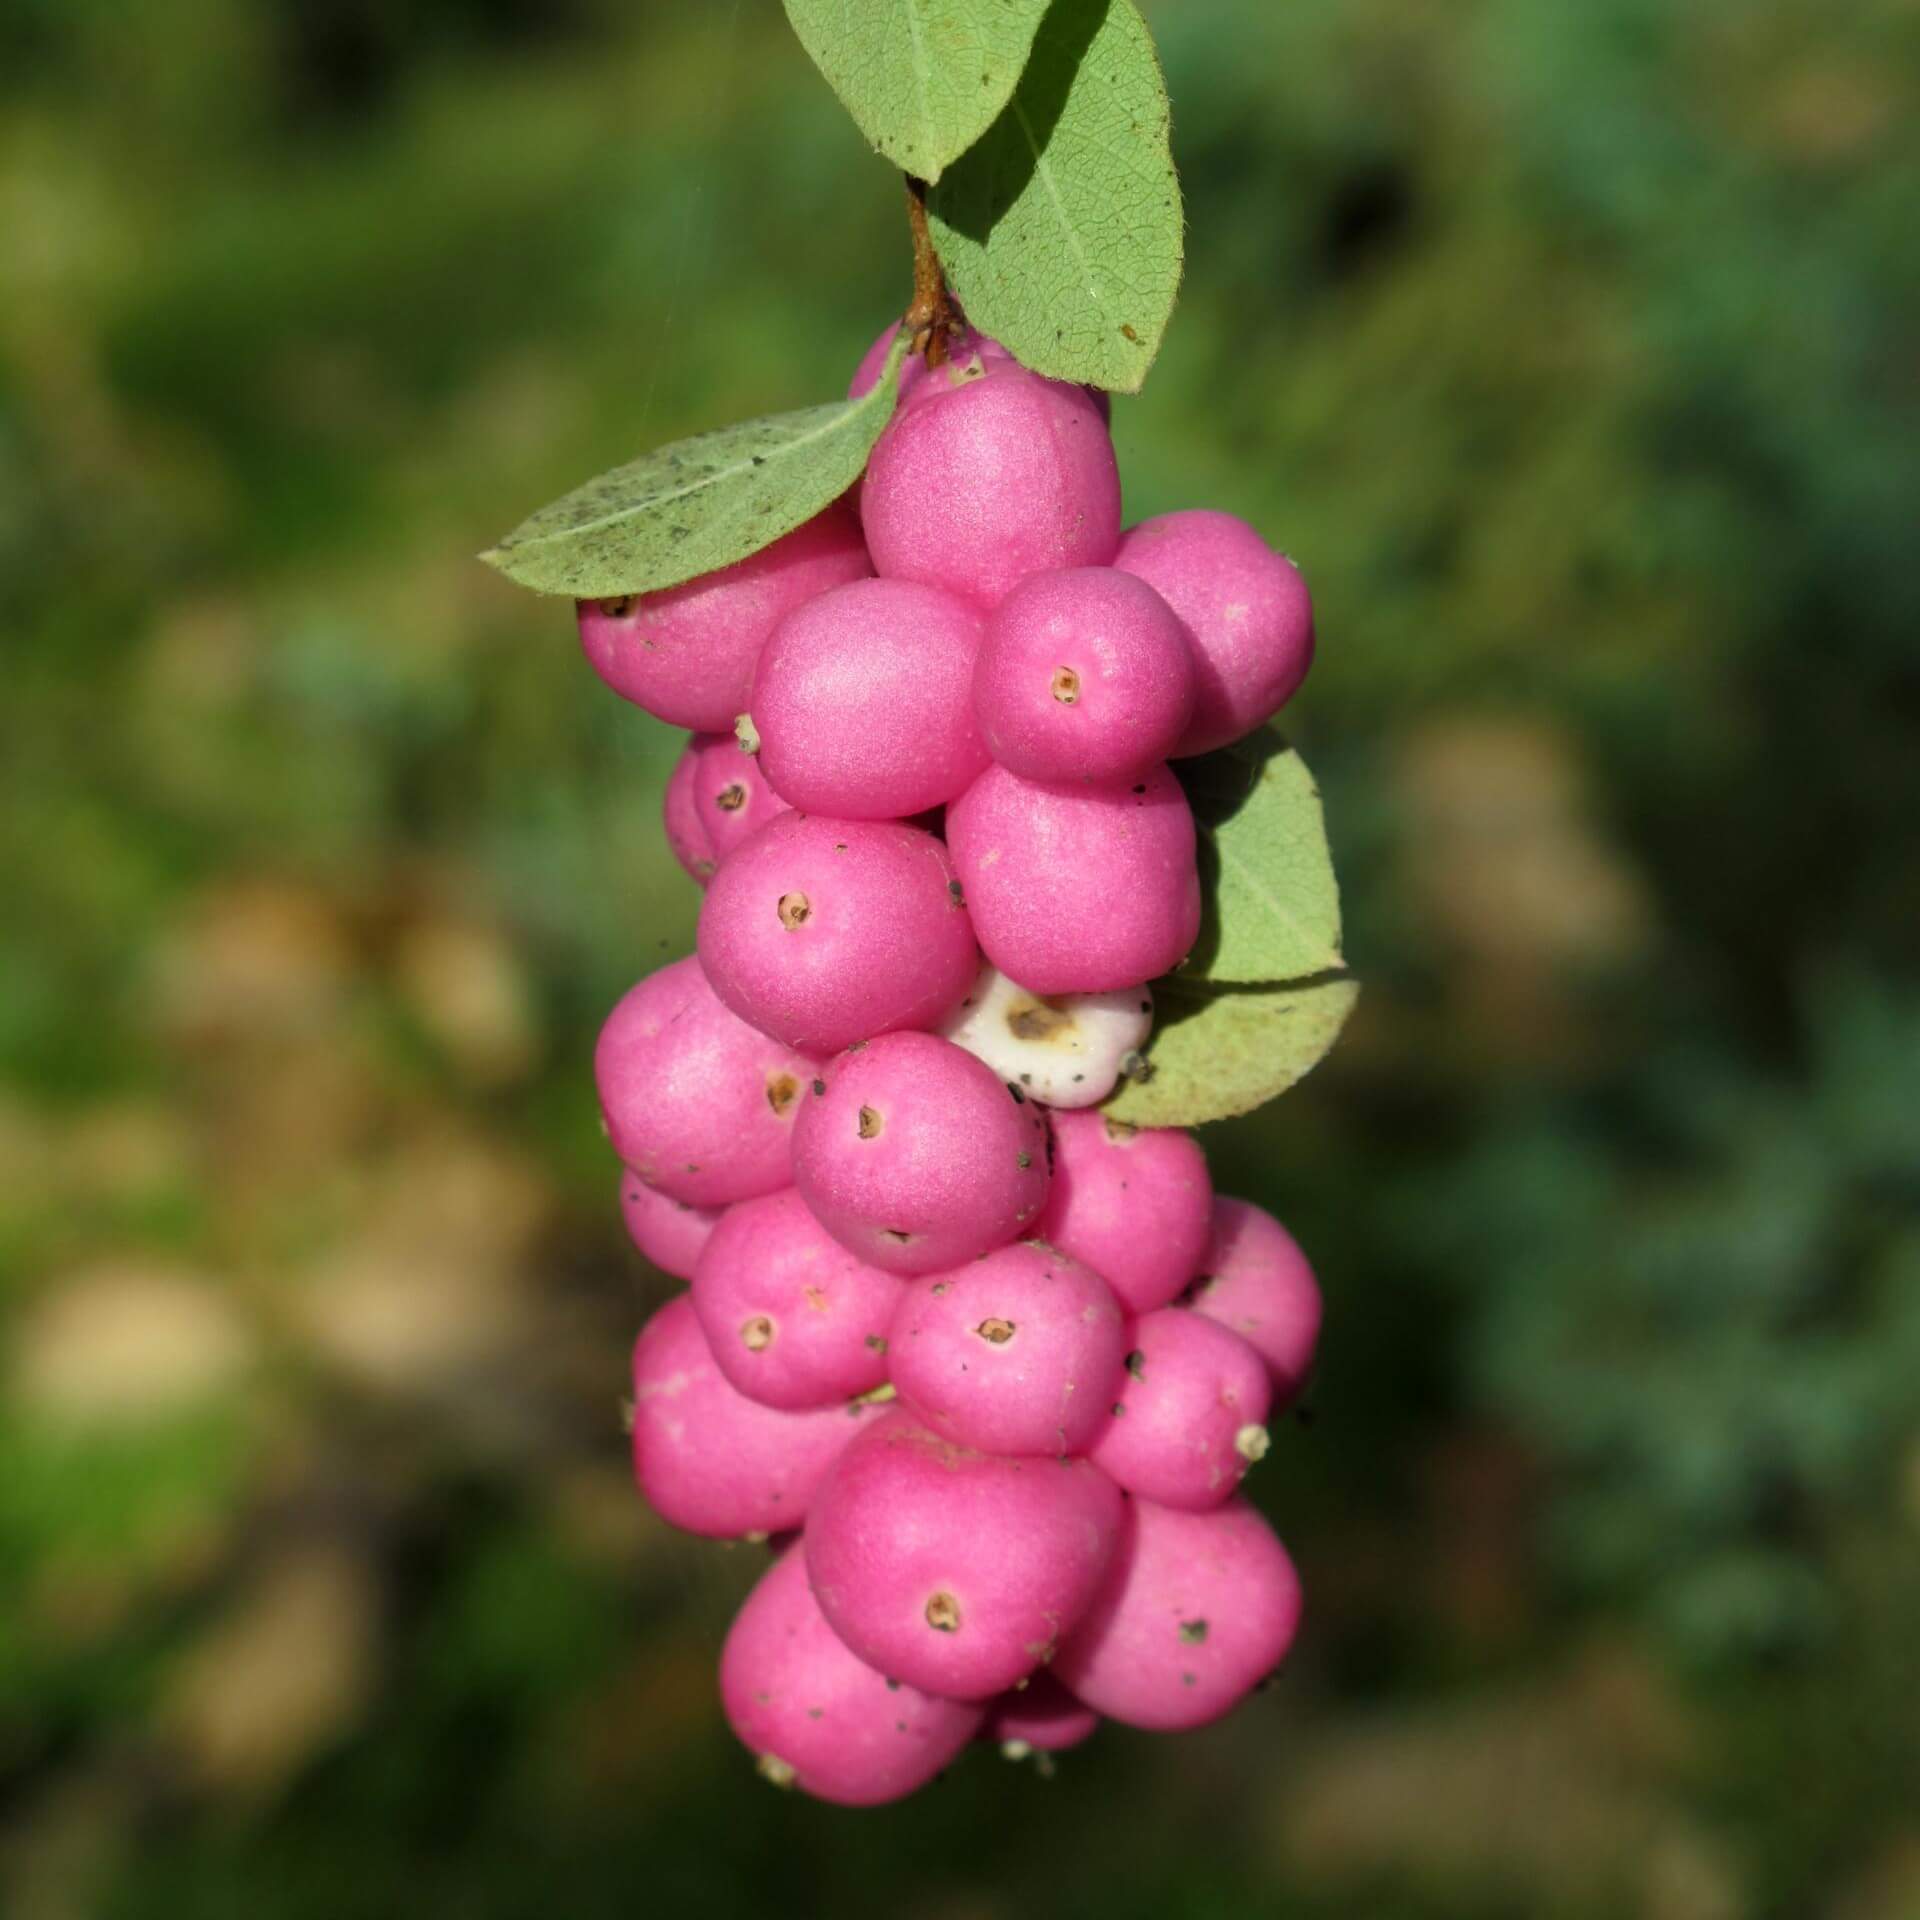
1254 1279
1017 1352
667 1231
988 474
793 1318
945 858
825 931
1086 675
696 1102
952 1570
1065 1049
1134 1203
1078 889
686 653
1191 1414
1197 1609
818 1718
706 1457
863 701
1247 613
913 1155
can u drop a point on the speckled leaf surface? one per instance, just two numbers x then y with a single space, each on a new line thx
685 509
923 79
1061 228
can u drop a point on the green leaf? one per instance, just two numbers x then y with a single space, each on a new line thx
1220 1052
1061 228
923 79
698 504
1273 905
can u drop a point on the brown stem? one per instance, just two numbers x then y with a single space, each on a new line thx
930 322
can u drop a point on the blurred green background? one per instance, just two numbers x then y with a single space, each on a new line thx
1574 350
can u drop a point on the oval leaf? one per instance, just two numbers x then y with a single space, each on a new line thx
698 504
1061 228
1217 1054
1273 905
923 79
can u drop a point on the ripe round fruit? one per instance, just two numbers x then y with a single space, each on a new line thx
710 1460
695 1101
913 1155
681 817
1078 889
863 701
669 1232
794 1320
1246 610
1086 675
1134 1203
1018 1352
818 1718
1041 1717
730 792
1197 1609
1063 1049
686 653
951 1570
1191 1416
823 931
1254 1279
989 474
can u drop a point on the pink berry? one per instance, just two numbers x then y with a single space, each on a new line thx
956 1571
989 474
1254 1279
913 1155
1076 889
1191 1414
963 350
1246 611
669 1232
708 1459
696 1102
686 653
1134 1203
863 701
794 1320
1041 1717
819 1719
731 793
1086 675
680 815
1197 1609
1018 1352
825 931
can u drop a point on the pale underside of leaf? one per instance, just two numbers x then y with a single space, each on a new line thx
1061 228
1218 1054
699 504
1273 902
923 79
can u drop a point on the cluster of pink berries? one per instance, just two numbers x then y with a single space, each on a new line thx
998 1361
